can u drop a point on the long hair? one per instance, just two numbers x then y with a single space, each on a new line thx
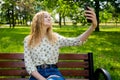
38 30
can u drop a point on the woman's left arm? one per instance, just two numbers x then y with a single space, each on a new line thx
90 14
63 41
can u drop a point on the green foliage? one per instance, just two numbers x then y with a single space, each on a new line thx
105 17
25 9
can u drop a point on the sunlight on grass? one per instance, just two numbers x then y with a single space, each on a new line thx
109 28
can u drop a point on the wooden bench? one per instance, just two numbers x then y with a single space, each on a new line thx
79 66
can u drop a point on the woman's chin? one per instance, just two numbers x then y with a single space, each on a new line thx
48 25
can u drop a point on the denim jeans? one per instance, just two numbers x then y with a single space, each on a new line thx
48 72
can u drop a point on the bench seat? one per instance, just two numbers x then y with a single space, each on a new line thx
71 65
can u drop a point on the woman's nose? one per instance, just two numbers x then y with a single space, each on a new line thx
49 18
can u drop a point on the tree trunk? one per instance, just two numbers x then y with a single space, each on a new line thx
60 20
97 7
9 17
64 20
13 20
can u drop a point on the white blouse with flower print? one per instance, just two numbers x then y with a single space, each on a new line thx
46 53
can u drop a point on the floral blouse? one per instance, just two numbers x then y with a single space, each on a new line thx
45 52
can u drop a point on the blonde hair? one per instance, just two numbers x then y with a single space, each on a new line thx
38 30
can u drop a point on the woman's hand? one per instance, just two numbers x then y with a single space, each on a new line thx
42 79
37 75
90 14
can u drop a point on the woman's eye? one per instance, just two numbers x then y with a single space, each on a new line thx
45 16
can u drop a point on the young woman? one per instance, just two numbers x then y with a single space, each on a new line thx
41 47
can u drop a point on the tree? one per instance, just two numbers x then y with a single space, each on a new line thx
97 8
105 17
98 5
69 9
26 9
116 11
23 10
18 11
8 8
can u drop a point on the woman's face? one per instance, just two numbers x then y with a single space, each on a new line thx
47 19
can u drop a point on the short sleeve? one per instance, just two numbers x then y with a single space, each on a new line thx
27 58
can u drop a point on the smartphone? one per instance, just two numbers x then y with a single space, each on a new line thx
86 8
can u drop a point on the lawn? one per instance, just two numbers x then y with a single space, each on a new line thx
104 44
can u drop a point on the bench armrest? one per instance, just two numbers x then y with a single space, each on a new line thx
102 71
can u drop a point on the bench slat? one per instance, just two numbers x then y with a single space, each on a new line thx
27 79
15 64
74 73
76 79
73 57
24 73
62 56
11 64
13 56
13 79
13 72
73 64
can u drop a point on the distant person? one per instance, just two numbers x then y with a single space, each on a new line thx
41 47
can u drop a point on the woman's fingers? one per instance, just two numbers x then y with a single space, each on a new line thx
90 14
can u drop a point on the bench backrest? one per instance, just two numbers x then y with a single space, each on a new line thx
70 64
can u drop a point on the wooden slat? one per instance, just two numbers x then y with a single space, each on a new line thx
10 53
73 57
13 79
74 73
9 56
72 64
27 79
62 56
13 64
76 79
13 73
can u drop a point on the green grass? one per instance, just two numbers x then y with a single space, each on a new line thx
104 44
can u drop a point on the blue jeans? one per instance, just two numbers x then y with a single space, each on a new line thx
48 72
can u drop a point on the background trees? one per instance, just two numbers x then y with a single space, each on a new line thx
20 12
